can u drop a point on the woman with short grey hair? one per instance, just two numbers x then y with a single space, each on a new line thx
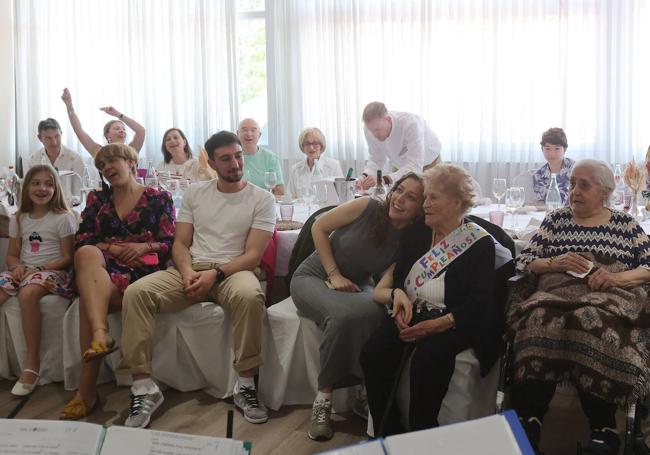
586 322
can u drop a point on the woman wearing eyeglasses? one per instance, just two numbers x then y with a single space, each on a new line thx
312 144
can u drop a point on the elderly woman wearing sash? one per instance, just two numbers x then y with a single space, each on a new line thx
587 320
440 290
332 287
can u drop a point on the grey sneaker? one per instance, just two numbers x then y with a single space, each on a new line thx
141 409
320 428
245 398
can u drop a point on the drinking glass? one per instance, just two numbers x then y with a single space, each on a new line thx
270 180
320 192
499 189
514 200
307 194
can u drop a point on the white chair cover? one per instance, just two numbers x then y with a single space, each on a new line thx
72 350
12 340
469 396
192 350
291 355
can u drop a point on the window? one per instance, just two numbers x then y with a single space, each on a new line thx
251 63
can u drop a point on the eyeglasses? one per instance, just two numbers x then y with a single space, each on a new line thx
311 144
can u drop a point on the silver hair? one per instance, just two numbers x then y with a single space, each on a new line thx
601 173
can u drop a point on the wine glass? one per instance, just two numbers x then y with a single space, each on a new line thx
499 189
308 195
320 192
514 200
270 180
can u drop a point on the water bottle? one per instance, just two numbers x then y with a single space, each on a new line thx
151 178
553 197
618 196
378 192
316 172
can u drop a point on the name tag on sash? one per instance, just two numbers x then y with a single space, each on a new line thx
431 264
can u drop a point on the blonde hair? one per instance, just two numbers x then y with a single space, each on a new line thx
454 181
316 134
120 150
108 125
57 204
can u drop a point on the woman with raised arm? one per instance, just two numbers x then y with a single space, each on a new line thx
114 131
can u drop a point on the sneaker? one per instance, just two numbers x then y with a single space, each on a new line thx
604 441
141 409
320 428
359 403
245 398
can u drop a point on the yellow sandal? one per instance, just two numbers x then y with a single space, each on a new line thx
76 409
99 349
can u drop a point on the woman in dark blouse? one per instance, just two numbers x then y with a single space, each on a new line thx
126 233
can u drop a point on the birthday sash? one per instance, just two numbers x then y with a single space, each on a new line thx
442 255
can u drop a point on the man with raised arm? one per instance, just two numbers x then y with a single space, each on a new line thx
222 230
401 138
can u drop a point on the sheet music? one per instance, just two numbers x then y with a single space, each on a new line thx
122 440
49 437
488 436
366 448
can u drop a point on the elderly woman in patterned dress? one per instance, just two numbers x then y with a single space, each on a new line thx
587 320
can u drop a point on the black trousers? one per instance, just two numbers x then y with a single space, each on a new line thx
531 399
432 366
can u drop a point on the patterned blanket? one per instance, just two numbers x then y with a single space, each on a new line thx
598 340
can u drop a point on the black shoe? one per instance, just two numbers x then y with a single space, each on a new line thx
639 447
533 428
604 441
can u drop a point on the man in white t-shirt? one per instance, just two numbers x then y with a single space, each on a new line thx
222 231
401 138
55 153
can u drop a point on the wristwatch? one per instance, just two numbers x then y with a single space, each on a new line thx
221 275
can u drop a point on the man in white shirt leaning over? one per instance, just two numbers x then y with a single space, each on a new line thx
222 230
401 138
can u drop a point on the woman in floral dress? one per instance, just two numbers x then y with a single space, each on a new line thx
126 233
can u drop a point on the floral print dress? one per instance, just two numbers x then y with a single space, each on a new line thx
153 219
542 179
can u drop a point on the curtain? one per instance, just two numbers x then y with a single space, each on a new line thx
162 62
489 76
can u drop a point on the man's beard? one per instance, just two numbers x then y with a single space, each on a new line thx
230 177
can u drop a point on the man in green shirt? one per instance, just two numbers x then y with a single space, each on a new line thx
258 160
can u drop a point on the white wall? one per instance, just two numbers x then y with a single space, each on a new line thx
7 86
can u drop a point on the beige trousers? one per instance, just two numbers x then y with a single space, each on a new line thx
162 292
